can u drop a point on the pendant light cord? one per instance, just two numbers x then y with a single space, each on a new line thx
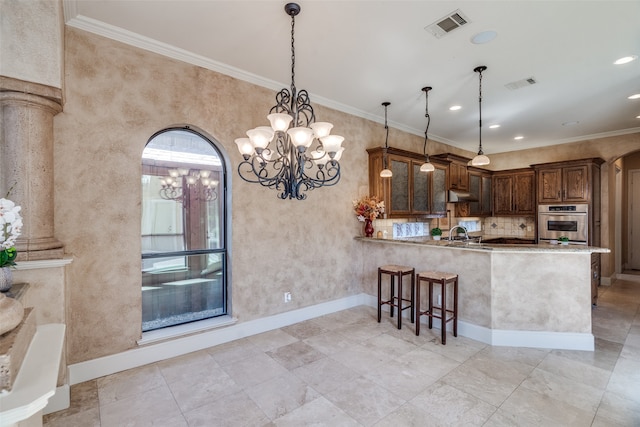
386 141
480 110
428 117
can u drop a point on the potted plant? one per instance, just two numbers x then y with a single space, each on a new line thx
461 231
564 240
10 228
436 233
367 209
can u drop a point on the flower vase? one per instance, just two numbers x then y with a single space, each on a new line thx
6 279
368 228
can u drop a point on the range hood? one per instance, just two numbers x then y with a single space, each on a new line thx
456 196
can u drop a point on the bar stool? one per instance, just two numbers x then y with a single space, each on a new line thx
398 271
443 279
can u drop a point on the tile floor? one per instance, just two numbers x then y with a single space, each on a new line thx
345 369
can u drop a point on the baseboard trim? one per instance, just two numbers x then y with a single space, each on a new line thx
107 365
509 338
628 277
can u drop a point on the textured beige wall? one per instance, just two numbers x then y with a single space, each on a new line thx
31 41
117 97
609 149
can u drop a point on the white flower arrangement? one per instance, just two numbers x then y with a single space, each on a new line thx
10 229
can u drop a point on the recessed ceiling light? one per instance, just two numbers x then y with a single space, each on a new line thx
636 96
455 108
494 126
517 138
637 117
626 59
484 37
575 122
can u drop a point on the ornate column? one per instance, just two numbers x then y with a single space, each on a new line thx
26 162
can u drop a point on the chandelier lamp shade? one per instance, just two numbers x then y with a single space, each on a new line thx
183 183
480 159
281 156
426 166
386 172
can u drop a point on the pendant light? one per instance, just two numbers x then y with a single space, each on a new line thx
386 172
426 166
480 159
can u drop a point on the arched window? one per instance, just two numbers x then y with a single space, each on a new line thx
184 243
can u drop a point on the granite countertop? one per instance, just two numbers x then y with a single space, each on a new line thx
471 245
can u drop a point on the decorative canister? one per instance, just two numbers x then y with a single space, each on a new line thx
6 279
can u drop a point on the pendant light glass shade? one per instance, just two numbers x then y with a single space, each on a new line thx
386 172
427 167
480 159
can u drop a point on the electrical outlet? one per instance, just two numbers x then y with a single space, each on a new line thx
528 228
287 297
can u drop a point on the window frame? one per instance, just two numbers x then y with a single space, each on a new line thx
224 243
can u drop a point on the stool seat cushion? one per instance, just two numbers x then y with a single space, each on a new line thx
437 275
396 268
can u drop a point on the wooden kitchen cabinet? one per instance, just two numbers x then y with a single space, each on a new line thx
480 186
458 175
567 182
409 192
514 192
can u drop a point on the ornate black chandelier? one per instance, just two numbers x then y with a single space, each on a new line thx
183 183
291 167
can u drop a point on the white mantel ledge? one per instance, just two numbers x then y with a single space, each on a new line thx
36 380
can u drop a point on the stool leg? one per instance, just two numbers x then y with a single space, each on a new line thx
400 300
455 308
391 294
443 312
417 301
413 296
379 295
430 314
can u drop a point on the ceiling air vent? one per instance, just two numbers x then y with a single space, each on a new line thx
448 23
521 83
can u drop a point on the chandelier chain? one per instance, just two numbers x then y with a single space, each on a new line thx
293 55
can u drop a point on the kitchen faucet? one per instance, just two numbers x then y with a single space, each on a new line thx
466 234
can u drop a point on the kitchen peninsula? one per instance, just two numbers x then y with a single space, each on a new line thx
509 295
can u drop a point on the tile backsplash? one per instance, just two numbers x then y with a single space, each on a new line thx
510 227
523 227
